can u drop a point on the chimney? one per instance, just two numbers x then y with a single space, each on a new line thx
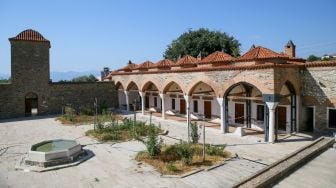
290 49
104 73
199 56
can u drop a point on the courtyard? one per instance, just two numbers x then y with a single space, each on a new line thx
114 165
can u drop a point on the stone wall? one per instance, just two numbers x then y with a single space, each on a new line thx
81 95
6 100
319 91
52 97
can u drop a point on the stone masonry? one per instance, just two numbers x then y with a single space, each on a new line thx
31 74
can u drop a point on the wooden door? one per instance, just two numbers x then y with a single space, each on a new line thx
239 113
182 106
282 118
147 101
28 106
207 109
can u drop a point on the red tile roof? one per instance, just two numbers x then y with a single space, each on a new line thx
30 35
260 53
163 63
145 65
186 60
217 56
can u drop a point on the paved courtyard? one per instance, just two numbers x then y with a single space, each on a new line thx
113 164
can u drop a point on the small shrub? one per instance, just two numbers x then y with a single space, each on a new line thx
194 133
69 110
88 111
153 144
171 154
186 152
115 135
103 107
214 150
171 167
99 125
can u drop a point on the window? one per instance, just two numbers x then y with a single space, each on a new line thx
332 118
173 104
155 101
195 106
260 112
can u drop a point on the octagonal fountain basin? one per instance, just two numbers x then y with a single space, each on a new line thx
54 152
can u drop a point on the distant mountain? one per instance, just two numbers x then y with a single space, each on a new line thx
57 76
4 76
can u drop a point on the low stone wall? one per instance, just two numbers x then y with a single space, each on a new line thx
53 96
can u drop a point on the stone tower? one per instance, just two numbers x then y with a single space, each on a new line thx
30 72
30 59
290 49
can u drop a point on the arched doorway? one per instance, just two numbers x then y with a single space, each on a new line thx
31 104
176 102
121 96
133 95
244 107
151 97
286 110
203 101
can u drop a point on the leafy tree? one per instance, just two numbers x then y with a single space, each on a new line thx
202 41
85 78
313 58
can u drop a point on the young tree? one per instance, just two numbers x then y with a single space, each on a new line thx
202 41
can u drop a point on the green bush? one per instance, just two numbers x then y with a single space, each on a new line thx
194 133
115 135
87 110
69 110
214 150
99 125
171 154
153 143
103 107
171 167
186 152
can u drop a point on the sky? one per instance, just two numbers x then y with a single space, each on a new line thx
88 35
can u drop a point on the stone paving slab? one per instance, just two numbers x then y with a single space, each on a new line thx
319 172
113 164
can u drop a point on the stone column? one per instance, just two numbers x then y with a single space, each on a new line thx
163 105
271 107
298 113
220 101
127 100
142 95
187 99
